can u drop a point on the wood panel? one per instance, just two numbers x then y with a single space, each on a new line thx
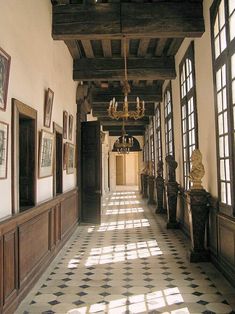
34 244
34 236
69 214
9 266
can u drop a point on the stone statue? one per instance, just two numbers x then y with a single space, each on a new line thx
160 168
145 169
171 165
198 171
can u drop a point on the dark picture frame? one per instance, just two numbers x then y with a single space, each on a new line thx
4 133
48 107
65 124
70 127
46 154
5 61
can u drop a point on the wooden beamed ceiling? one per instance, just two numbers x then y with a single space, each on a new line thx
153 29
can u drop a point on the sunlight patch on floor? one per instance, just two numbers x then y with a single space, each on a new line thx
141 303
124 224
124 211
122 252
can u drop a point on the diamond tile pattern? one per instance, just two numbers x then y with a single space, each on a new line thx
128 264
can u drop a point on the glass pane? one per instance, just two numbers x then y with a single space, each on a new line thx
216 26
222 172
223 193
221 147
233 65
221 14
219 102
218 79
233 91
229 202
217 47
225 123
227 170
231 6
224 75
226 147
232 26
223 43
224 99
221 126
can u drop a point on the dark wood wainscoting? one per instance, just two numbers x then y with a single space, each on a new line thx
28 243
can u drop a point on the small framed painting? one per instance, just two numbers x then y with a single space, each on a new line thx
48 107
65 124
70 127
70 156
5 61
3 149
46 151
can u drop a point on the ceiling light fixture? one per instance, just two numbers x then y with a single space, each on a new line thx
125 113
124 142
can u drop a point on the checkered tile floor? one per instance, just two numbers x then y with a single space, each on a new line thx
128 264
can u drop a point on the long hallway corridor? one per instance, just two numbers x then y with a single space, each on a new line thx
128 264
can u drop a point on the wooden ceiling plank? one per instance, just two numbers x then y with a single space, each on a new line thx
127 47
107 49
134 20
160 46
174 46
143 47
73 48
112 69
87 48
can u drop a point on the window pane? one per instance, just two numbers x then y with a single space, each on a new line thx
221 127
229 202
218 80
217 47
222 172
233 65
224 99
223 192
219 102
221 147
221 14
231 6
227 170
223 43
232 26
226 147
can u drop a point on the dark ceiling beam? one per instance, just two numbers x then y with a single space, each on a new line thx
131 133
148 94
159 68
103 113
134 20
74 48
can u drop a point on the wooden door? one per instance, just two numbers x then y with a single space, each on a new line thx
91 172
120 178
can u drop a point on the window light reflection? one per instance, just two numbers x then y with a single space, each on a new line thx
141 303
120 253
117 211
125 224
123 203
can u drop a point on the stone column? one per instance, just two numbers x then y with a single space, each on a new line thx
198 210
172 193
160 188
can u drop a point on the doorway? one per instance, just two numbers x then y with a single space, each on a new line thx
58 161
24 158
120 170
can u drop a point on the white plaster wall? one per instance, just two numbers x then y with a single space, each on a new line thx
205 105
37 63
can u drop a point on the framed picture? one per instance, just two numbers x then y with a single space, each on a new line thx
70 157
70 127
65 124
48 108
46 151
3 149
5 61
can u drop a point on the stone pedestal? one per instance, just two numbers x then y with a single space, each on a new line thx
172 193
145 186
160 195
198 215
151 190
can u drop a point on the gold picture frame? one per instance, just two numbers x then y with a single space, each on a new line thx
46 154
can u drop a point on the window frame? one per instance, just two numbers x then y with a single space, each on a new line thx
224 58
189 54
158 131
167 117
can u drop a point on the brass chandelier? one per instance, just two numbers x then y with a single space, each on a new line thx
124 142
125 113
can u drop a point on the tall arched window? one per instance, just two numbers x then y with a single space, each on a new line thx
223 42
158 139
169 132
188 111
